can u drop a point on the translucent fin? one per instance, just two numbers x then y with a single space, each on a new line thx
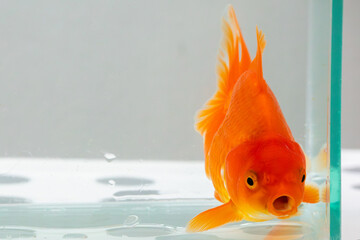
311 193
216 165
322 159
284 232
256 64
325 193
229 69
217 197
214 217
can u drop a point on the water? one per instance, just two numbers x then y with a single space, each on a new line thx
141 206
143 220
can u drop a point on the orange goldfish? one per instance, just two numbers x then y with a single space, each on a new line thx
257 169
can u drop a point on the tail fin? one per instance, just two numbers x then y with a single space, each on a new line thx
256 64
214 217
229 69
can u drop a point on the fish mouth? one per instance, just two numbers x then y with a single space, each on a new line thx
282 206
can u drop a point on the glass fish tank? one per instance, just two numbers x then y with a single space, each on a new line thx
170 120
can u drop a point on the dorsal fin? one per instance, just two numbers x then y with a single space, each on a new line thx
256 64
245 56
229 69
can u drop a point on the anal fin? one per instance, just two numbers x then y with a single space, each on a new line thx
214 217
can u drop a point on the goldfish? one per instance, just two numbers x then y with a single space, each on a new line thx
257 168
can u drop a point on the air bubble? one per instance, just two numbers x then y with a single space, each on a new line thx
109 156
131 221
112 182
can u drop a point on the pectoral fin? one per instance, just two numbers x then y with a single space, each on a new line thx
214 217
311 193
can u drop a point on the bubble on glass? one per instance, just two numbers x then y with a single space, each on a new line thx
131 221
112 182
109 156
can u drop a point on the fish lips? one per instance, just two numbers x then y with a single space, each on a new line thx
282 206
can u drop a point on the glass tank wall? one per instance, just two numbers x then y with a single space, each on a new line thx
97 110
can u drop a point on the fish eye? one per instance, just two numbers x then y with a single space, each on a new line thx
303 175
251 180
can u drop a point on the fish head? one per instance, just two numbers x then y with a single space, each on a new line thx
266 177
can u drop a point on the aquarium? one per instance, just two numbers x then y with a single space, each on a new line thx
98 105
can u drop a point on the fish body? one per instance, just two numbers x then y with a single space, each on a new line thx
257 168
